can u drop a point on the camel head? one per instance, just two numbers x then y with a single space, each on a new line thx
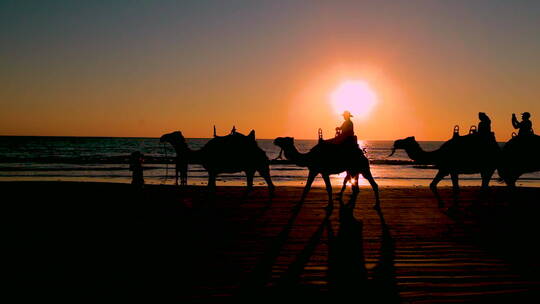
173 138
403 144
284 142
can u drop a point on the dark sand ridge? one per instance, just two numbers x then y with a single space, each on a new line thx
106 241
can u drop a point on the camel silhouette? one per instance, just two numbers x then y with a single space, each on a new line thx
469 154
327 158
224 154
520 155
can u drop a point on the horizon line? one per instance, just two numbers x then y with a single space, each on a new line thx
147 137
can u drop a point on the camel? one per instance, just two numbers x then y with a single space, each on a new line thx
224 154
469 154
520 155
326 159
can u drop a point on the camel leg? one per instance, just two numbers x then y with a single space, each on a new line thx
486 178
455 187
265 173
355 191
345 181
328 184
455 182
311 177
354 183
511 182
367 175
176 176
249 178
511 177
212 181
433 186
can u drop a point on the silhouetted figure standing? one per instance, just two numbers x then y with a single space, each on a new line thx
525 126
484 126
135 166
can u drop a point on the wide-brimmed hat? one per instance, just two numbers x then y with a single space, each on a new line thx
347 113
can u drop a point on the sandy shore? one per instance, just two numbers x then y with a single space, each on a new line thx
107 241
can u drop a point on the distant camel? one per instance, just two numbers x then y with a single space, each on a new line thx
327 158
225 154
469 154
520 155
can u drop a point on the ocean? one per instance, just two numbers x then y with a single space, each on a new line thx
102 159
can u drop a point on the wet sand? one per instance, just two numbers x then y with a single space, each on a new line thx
104 241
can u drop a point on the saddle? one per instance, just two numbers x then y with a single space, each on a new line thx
473 134
346 144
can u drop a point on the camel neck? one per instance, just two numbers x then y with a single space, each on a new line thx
292 154
416 153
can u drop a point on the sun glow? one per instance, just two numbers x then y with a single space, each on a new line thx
355 96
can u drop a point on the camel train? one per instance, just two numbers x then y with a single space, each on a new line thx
473 153
476 153
240 153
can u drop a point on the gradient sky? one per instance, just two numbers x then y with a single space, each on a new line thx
143 68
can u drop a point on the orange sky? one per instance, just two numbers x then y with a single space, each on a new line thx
80 69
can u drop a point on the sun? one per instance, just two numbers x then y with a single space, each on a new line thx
355 96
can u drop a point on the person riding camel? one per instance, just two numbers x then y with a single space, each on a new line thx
484 126
525 126
346 131
347 128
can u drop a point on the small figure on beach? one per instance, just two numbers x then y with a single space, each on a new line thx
484 126
136 167
524 126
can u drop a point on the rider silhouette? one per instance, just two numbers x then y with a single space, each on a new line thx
346 131
525 126
484 126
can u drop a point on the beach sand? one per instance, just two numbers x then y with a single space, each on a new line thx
105 241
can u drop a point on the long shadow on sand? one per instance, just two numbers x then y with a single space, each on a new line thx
384 273
347 275
291 277
261 273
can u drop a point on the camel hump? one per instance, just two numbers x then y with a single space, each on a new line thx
251 135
